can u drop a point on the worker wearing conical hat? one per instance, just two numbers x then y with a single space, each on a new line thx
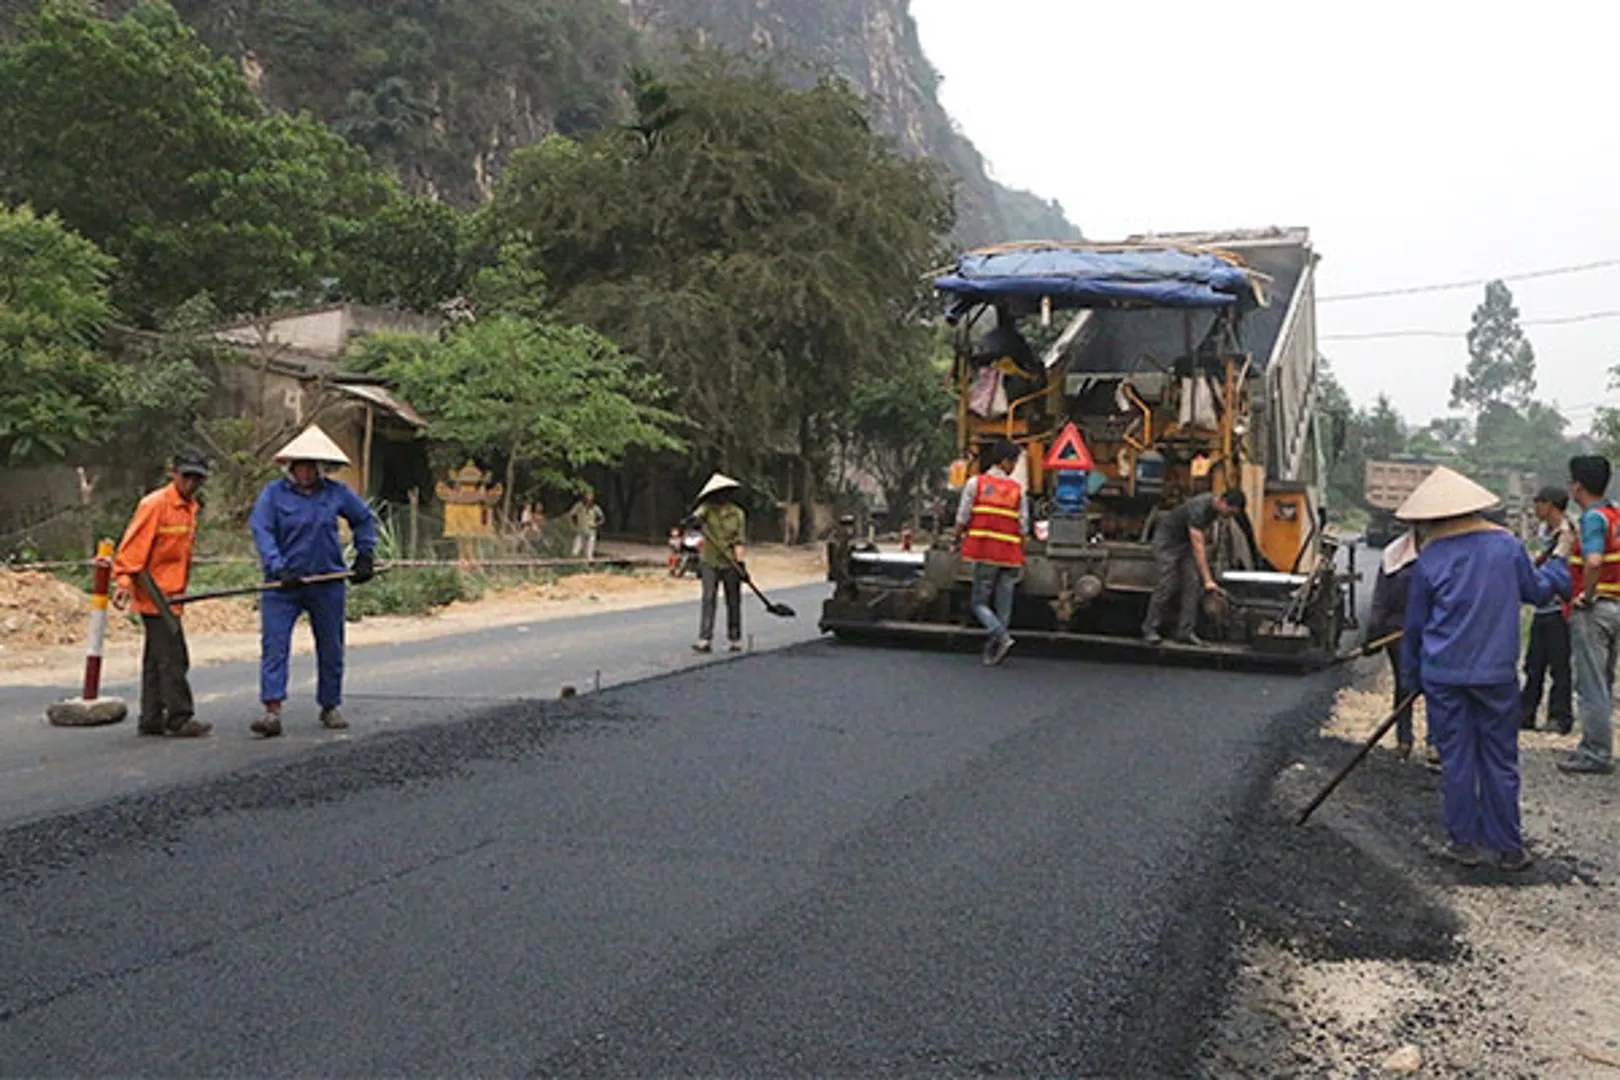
295 527
1461 650
721 559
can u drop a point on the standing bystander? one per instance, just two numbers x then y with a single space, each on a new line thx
1594 569
1388 618
1548 653
587 519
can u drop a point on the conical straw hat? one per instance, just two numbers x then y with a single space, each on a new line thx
312 445
717 482
1445 494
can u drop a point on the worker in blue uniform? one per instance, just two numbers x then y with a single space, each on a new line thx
1461 650
295 527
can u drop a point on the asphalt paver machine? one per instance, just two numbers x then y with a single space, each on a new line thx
1170 365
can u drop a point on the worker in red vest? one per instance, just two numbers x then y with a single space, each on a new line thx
1594 623
991 522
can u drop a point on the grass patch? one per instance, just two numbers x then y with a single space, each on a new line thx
411 591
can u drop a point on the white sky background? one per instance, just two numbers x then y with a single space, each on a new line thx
1425 141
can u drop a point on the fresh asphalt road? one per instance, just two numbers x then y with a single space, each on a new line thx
824 860
46 770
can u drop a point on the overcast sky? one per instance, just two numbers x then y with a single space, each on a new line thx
1421 142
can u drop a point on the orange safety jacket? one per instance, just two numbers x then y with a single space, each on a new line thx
1608 575
160 538
995 532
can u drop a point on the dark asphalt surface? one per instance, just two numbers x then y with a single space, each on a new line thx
389 688
821 861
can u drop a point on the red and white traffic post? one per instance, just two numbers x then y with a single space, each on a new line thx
100 600
90 709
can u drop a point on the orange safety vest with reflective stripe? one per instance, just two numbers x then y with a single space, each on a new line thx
1608 579
995 532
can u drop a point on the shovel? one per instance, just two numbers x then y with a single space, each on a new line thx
781 611
1366 748
166 604
1369 648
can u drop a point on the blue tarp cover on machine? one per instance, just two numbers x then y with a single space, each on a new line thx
1097 277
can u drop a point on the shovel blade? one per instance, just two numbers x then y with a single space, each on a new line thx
782 611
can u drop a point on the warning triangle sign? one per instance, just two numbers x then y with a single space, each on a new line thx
1069 452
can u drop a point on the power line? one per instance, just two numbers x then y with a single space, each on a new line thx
1560 320
1413 290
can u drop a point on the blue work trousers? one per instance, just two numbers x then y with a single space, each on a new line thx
993 589
1477 731
278 611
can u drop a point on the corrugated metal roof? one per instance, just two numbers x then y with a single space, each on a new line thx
381 398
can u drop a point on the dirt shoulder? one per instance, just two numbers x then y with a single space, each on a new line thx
45 643
1363 952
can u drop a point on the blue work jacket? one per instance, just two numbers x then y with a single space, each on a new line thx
299 530
1462 610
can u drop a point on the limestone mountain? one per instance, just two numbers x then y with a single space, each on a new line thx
444 90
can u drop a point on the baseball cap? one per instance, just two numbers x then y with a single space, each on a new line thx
191 463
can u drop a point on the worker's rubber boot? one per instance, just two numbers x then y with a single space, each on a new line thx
267 726
1464 854
703 647
332 719
1516 862
190 728
154 726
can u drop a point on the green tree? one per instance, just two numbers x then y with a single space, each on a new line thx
538 400
150 146
53 309
412 253
1501 363
1382 429
899 428
67 387
760 247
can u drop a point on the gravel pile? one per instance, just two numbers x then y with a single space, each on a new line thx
1364 952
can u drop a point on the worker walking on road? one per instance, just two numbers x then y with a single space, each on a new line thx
160 541
1548 652
1462 649
1181 555
1594 568
721 560
992 520
587 519
295 526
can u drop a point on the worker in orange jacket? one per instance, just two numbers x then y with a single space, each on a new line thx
160 540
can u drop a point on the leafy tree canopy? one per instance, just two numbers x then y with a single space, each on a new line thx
761 247
900 428
159 152
65 391
541 400
1501 363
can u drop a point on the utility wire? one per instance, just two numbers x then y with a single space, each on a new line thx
1413 290
1560 320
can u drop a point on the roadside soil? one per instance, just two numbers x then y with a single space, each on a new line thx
43 620
1363 952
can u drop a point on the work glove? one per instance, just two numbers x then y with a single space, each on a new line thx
365 568
288 577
